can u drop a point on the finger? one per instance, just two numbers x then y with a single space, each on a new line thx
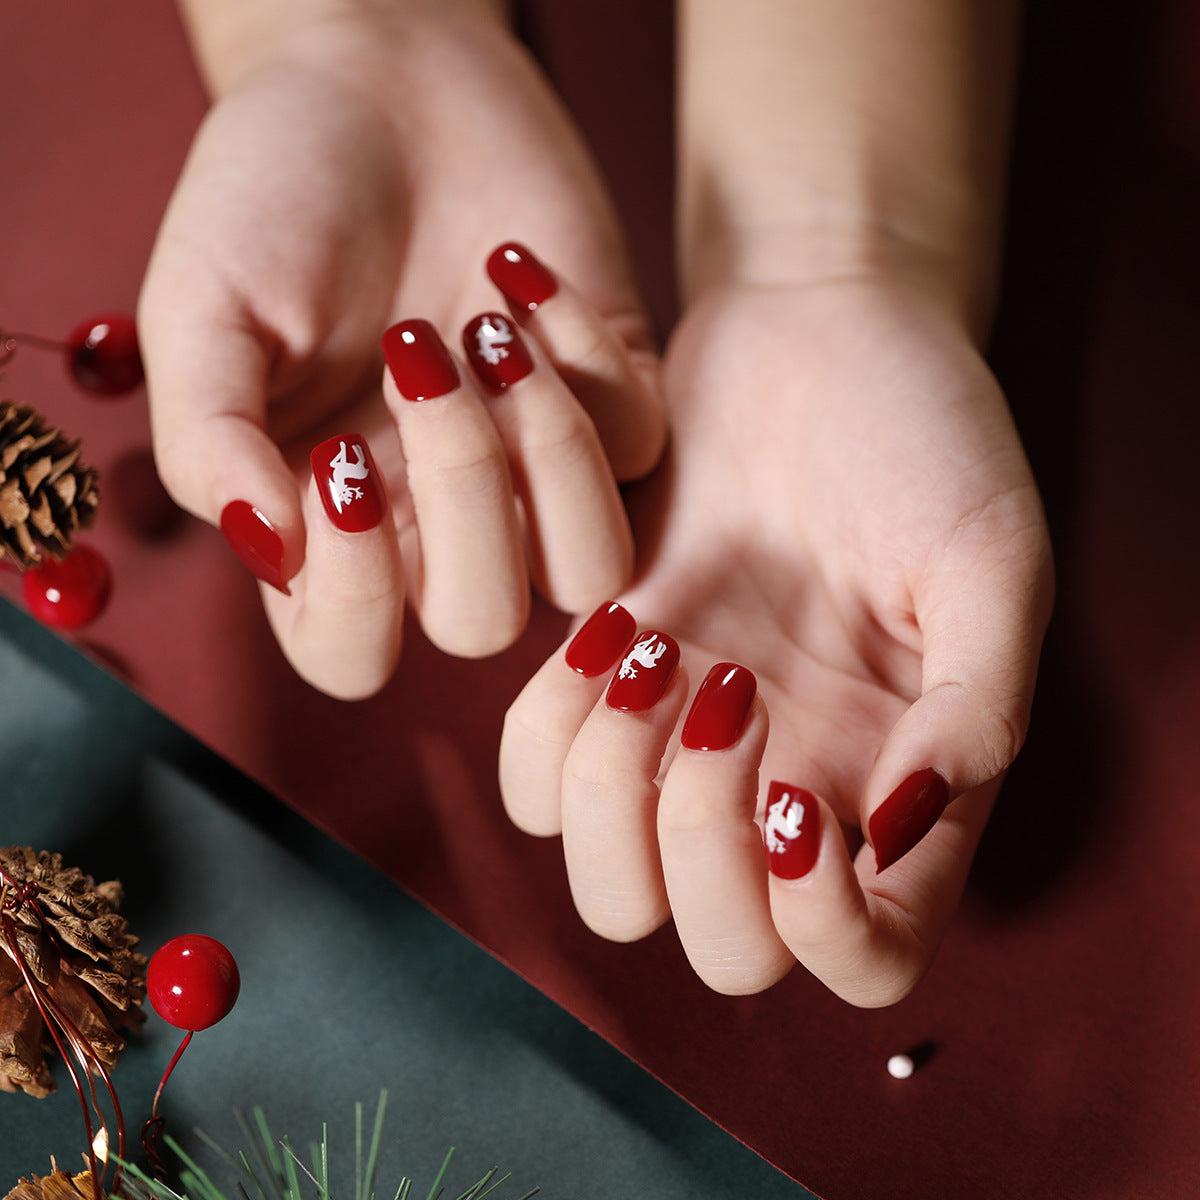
869 939
542 722
613 378
472 586
980 653
609 793
711 848
581 547
342 627
207 367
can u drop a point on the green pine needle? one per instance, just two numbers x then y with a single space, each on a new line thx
273 1170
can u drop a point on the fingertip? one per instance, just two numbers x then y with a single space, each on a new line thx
260 545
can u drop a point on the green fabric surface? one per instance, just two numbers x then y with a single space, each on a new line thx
348 985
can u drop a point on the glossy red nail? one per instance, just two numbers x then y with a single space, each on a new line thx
255 541
525 282
348 483
792 831
907 815
601 640
419 361
645 673
496 351
718 714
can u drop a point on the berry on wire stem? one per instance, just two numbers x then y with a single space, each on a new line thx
193 982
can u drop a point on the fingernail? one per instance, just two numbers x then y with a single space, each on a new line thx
255 541
419 361
348 483
601 640
718 714
525 282
907 815
496 352
792 831
644 673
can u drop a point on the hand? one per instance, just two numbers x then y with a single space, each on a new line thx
354 173
847 511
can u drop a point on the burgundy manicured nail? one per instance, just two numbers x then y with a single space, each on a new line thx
525 282
497 354
601 640
419 361
348 483
255 541
907 815
644 673
792 831
718 714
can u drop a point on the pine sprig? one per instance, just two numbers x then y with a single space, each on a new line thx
273 1170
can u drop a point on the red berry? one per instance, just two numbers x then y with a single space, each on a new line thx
103 354
71 593
192 981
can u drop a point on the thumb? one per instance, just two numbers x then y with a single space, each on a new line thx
207 369
982 629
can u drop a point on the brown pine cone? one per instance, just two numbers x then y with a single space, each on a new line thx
58 1185
46 493
84 958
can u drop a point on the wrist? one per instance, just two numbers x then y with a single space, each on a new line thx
232 39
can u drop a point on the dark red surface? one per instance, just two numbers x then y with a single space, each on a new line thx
1061 1012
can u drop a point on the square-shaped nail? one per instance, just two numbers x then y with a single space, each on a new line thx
496 351
524 280
792 832
645 673
348 483
907 815
718 714
601 640
419 361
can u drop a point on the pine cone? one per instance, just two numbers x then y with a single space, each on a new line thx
83 956
46 493
58 1185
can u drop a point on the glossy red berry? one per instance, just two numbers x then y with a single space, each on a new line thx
103 354
192 981
71 593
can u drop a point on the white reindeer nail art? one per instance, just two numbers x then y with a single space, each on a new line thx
492 339
645 653
783 821
344 470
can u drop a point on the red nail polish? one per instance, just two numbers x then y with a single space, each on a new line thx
645 673
255 541
907 815
348 483
419 361
718 714
792 831
496 351
601 640
525 282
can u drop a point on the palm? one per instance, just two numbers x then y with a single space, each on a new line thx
837 458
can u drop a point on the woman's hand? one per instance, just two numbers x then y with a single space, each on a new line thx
355 172
845 510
